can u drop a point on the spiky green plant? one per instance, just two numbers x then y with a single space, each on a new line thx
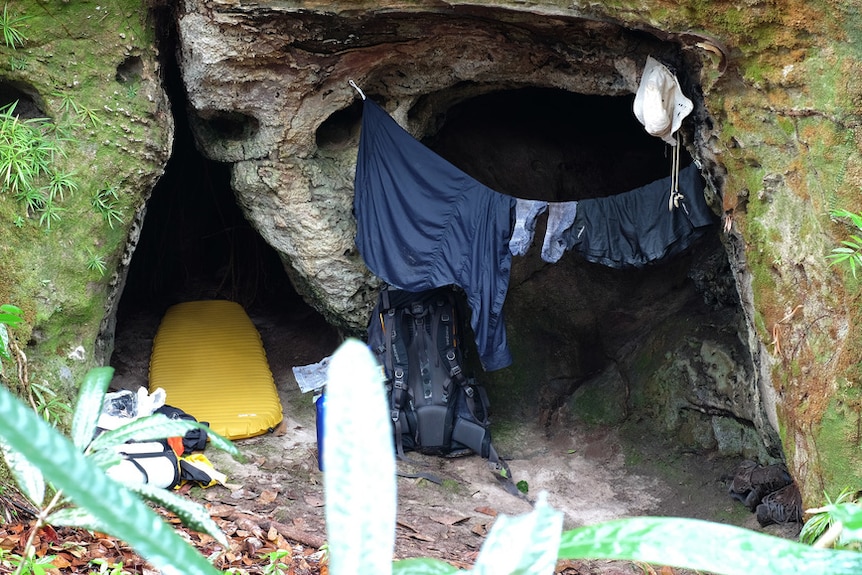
10 27
49 213
850 251
46 403
105 202
27 165
84 496
96 262
824 519
25 154
61 183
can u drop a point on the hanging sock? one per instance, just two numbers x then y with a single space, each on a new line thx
526 212
561 216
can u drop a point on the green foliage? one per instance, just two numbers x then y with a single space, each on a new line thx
48 405
9 316
96 263
84 495
18 63
10 27
276 566
836 524
60 184
703 546
108 568
27 165
25 154
69 106
850 252
50 212
105 202
27 565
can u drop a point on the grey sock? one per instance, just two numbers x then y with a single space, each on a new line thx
561 216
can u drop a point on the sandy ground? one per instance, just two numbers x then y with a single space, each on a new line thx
591 474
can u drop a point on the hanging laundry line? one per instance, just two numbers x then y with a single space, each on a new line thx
422 223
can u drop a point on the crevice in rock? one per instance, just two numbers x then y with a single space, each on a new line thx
226 125
28 103
341 129
130 70
196 244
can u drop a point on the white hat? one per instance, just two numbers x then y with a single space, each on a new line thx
660 104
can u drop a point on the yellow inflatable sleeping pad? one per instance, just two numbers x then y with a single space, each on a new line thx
209 359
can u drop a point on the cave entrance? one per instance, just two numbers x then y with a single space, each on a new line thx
196 244
659 349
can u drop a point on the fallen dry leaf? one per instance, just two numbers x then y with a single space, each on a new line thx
449 519
267 496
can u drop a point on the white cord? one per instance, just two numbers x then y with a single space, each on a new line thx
352 83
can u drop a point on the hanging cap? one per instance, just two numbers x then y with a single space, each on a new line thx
660 104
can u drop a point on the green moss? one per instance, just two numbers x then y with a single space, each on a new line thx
838 440
95 98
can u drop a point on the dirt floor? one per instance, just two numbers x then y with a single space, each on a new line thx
591 474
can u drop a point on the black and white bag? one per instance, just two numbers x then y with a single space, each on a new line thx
147 462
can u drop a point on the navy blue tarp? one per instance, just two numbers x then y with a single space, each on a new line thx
423 223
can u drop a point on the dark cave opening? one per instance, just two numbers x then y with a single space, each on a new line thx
549 144
196 244
587 338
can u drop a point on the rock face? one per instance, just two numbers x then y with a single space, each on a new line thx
269 93
748 343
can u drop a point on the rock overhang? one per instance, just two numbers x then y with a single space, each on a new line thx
268 92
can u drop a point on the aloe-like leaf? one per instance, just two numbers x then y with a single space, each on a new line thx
523 545
105 458
158 426
27 476
850 516
89 406
703 546
147 428
123 513
4 343
76 517
423 566
190 513
223 443
359 464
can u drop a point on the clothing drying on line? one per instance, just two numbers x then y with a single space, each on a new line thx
422 223
635 228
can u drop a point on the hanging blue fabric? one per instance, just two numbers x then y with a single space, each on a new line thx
635 228
423 223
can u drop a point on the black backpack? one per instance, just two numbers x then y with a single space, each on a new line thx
435 408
